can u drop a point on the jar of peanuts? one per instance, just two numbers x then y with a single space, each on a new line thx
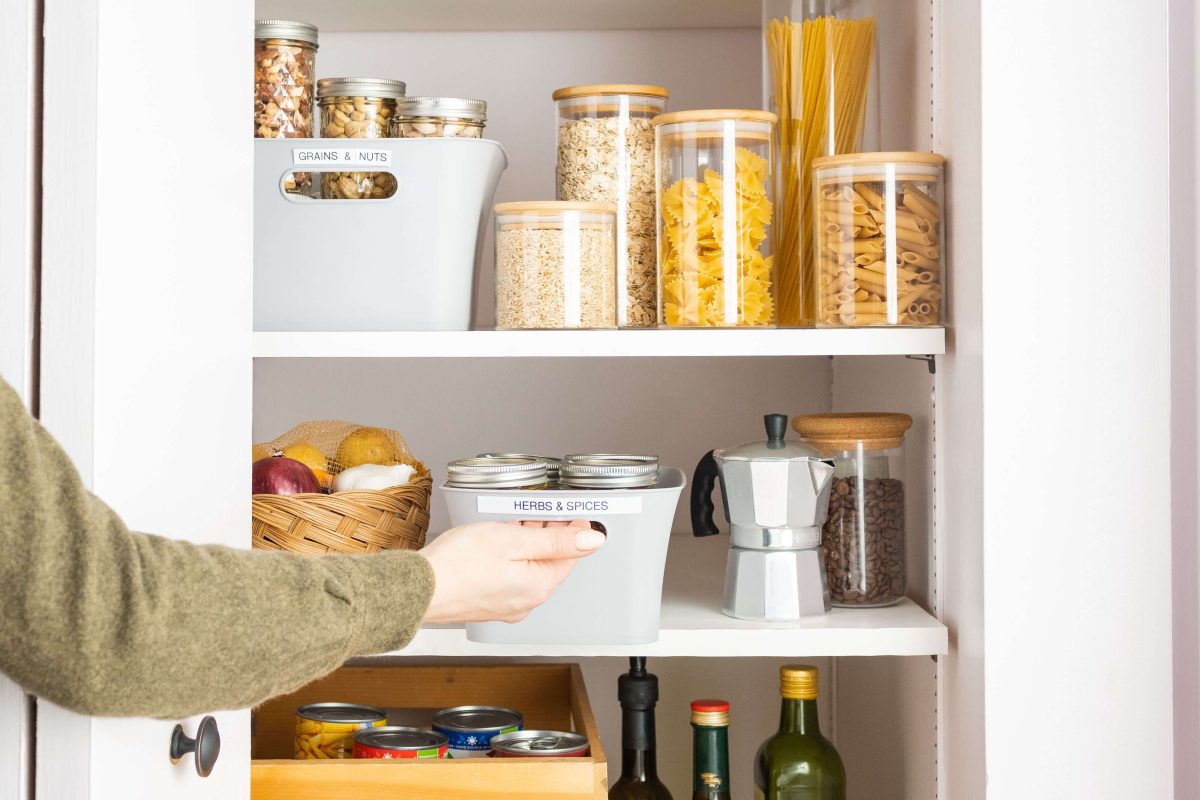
443 117
357 108
862 540
285 58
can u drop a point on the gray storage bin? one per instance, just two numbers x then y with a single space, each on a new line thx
611 597
406 262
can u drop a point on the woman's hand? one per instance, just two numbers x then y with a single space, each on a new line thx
502 571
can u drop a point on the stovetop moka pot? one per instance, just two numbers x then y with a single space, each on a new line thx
776 496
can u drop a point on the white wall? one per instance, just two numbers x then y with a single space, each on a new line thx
1076 436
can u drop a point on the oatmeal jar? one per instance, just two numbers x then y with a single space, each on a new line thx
555 265
606 154
863 537
715 262
357 108
443 117
285 58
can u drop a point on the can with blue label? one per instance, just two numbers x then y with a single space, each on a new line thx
470 728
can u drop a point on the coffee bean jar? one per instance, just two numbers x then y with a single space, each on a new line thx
863 537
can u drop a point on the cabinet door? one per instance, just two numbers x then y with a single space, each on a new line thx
146 269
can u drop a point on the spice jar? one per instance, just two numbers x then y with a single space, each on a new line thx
357 108
863 536
517 472
606 154
555 265
714 204
552 464
285 58
608 472
439 117
877 222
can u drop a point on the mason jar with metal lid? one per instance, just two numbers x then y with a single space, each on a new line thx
645 459
285 64
552 464
446 117
357 108
518 472
608 473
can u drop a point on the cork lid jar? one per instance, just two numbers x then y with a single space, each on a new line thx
847 431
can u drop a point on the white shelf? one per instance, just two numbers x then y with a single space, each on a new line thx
511 15
626 343
693 625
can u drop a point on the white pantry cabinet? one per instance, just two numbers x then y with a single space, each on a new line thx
1042 533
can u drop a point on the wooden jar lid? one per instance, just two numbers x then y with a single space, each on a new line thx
553 207
641 89
714 115
871 159
876 430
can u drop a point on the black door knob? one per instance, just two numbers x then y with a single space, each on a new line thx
206 745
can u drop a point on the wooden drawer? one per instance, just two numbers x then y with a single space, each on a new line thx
551 696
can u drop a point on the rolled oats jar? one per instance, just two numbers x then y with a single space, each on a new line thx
357 108
285 58
555 265
443 117
606 154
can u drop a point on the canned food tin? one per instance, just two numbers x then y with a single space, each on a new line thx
540 744
326 730
470 728
393 742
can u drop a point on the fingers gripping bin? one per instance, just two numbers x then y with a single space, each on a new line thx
611 597
404 262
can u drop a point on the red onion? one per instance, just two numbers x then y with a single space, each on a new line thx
281 475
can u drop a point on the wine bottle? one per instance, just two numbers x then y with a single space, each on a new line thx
798 763
638 692
710 750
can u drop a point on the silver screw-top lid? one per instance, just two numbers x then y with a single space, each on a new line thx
608 473
496 473
645 459
552 464
360 87
451 107
285 29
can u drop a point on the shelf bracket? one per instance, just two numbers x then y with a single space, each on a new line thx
930 362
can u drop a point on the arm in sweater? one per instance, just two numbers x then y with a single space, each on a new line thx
108 622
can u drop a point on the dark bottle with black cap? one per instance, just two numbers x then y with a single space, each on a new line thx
638 692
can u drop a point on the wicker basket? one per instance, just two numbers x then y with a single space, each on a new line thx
354 522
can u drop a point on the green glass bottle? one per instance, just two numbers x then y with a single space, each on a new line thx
710 750
638 693
798 763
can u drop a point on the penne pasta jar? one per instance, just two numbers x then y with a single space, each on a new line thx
606 154
357 108
879 239
556 265
715 262
862 540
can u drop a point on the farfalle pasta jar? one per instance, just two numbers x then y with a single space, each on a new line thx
879 239
714 206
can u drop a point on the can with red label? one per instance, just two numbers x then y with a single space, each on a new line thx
540 744
394 742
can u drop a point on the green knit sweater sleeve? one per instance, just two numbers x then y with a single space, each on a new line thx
113 623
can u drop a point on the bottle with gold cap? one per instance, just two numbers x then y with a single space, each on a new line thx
710 749
798 763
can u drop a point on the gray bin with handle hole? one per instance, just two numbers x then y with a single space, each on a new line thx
611 597
407 262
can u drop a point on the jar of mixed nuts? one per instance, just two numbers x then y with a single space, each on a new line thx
445 117
606 154
285 58
555 265
863 537
357 108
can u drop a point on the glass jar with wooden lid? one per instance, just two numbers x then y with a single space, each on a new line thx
879 239
606 154
715 261
555 265
863 537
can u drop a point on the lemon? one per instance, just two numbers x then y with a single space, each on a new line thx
366 446
311 456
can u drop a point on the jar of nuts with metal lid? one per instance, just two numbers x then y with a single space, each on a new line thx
863 537
439 117
285 58
357 108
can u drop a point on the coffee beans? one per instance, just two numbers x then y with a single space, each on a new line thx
864 550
